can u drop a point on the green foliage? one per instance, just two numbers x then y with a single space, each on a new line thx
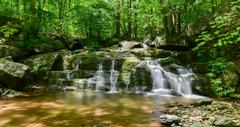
37 69
218 81
224 31
8 30
93 46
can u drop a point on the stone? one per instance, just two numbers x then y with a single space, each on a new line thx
224 122
6 50
200 102
153 53
42 62
169 119
200 85
200 125
125 45
13 75
158 41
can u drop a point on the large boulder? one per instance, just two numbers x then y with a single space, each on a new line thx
169 119
126 45
13 75
6 50
42 62
141 77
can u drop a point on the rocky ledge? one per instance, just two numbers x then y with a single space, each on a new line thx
217 114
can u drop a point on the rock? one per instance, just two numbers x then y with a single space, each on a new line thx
13 75
230 78
6 50
125 45
158 41
10 93
153 53
200 125
44 47
174 111
2 41
80 83
42 62
141 76
201 102
169 119
200 85
224 122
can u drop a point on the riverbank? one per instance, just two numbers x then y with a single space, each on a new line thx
216 114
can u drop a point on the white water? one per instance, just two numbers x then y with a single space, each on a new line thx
127 80
113 77
69 75
77 64
165 81
98 79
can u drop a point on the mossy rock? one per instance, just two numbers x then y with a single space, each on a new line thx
13 75
6 50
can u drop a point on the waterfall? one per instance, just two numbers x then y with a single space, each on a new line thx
113 77
77 64
127 80
69 75
164 80
99 78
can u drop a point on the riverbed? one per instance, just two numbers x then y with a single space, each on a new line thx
85 109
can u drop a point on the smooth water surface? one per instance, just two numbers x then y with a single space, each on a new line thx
85 109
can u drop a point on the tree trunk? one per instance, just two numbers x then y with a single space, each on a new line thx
117 19
136 20
170 25
129 36
165 24
178 22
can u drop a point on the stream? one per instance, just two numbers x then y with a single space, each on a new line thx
85 109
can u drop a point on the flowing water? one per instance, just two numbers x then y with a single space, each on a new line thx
102 109
113 78
98 79
165 81
85 109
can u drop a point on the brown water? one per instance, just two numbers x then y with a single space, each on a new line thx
84 109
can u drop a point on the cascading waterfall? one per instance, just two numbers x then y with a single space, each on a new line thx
113 77
77 64
98 79
127 80
69 75
164 80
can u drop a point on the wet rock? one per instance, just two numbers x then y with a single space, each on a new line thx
141 76
9 93
169 119
13 75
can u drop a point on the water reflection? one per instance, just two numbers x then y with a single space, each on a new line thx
85 109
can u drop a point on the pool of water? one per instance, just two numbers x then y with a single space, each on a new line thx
85 109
